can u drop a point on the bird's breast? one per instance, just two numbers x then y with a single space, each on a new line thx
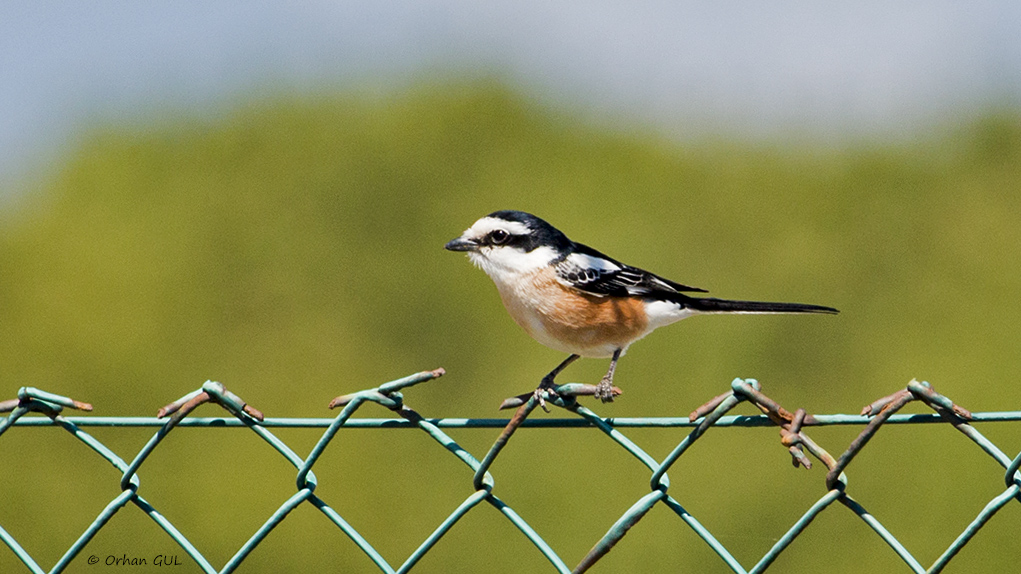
571 321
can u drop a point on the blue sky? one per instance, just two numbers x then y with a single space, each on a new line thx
832 70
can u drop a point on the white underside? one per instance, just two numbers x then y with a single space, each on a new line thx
663 313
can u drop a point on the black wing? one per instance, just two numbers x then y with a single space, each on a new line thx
588 270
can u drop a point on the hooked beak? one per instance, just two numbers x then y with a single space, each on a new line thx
461 244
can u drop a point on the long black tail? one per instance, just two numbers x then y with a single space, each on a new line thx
711 305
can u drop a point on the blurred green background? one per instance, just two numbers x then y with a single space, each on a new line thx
292 249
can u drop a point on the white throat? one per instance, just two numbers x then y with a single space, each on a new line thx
506 264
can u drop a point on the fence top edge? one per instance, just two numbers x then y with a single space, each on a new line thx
740 421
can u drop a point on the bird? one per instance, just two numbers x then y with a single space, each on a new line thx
576 300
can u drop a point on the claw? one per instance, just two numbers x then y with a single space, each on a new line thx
605 391
540 394
546 386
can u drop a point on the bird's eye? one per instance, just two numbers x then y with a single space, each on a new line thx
499 237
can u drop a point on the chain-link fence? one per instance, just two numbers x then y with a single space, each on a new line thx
712 415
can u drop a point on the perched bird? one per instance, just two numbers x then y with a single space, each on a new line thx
577 300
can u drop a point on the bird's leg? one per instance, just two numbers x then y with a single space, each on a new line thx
604 390
547 383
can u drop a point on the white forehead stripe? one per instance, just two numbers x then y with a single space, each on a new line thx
485 225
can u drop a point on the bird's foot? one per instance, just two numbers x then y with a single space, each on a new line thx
563 395
546 386
545 389
605 391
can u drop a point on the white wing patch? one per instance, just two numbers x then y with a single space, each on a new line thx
587 273
602 276
589 263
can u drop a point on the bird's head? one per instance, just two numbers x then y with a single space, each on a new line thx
510 242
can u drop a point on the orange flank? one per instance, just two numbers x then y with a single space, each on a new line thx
571 320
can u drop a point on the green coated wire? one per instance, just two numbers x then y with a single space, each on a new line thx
389 395
741 421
